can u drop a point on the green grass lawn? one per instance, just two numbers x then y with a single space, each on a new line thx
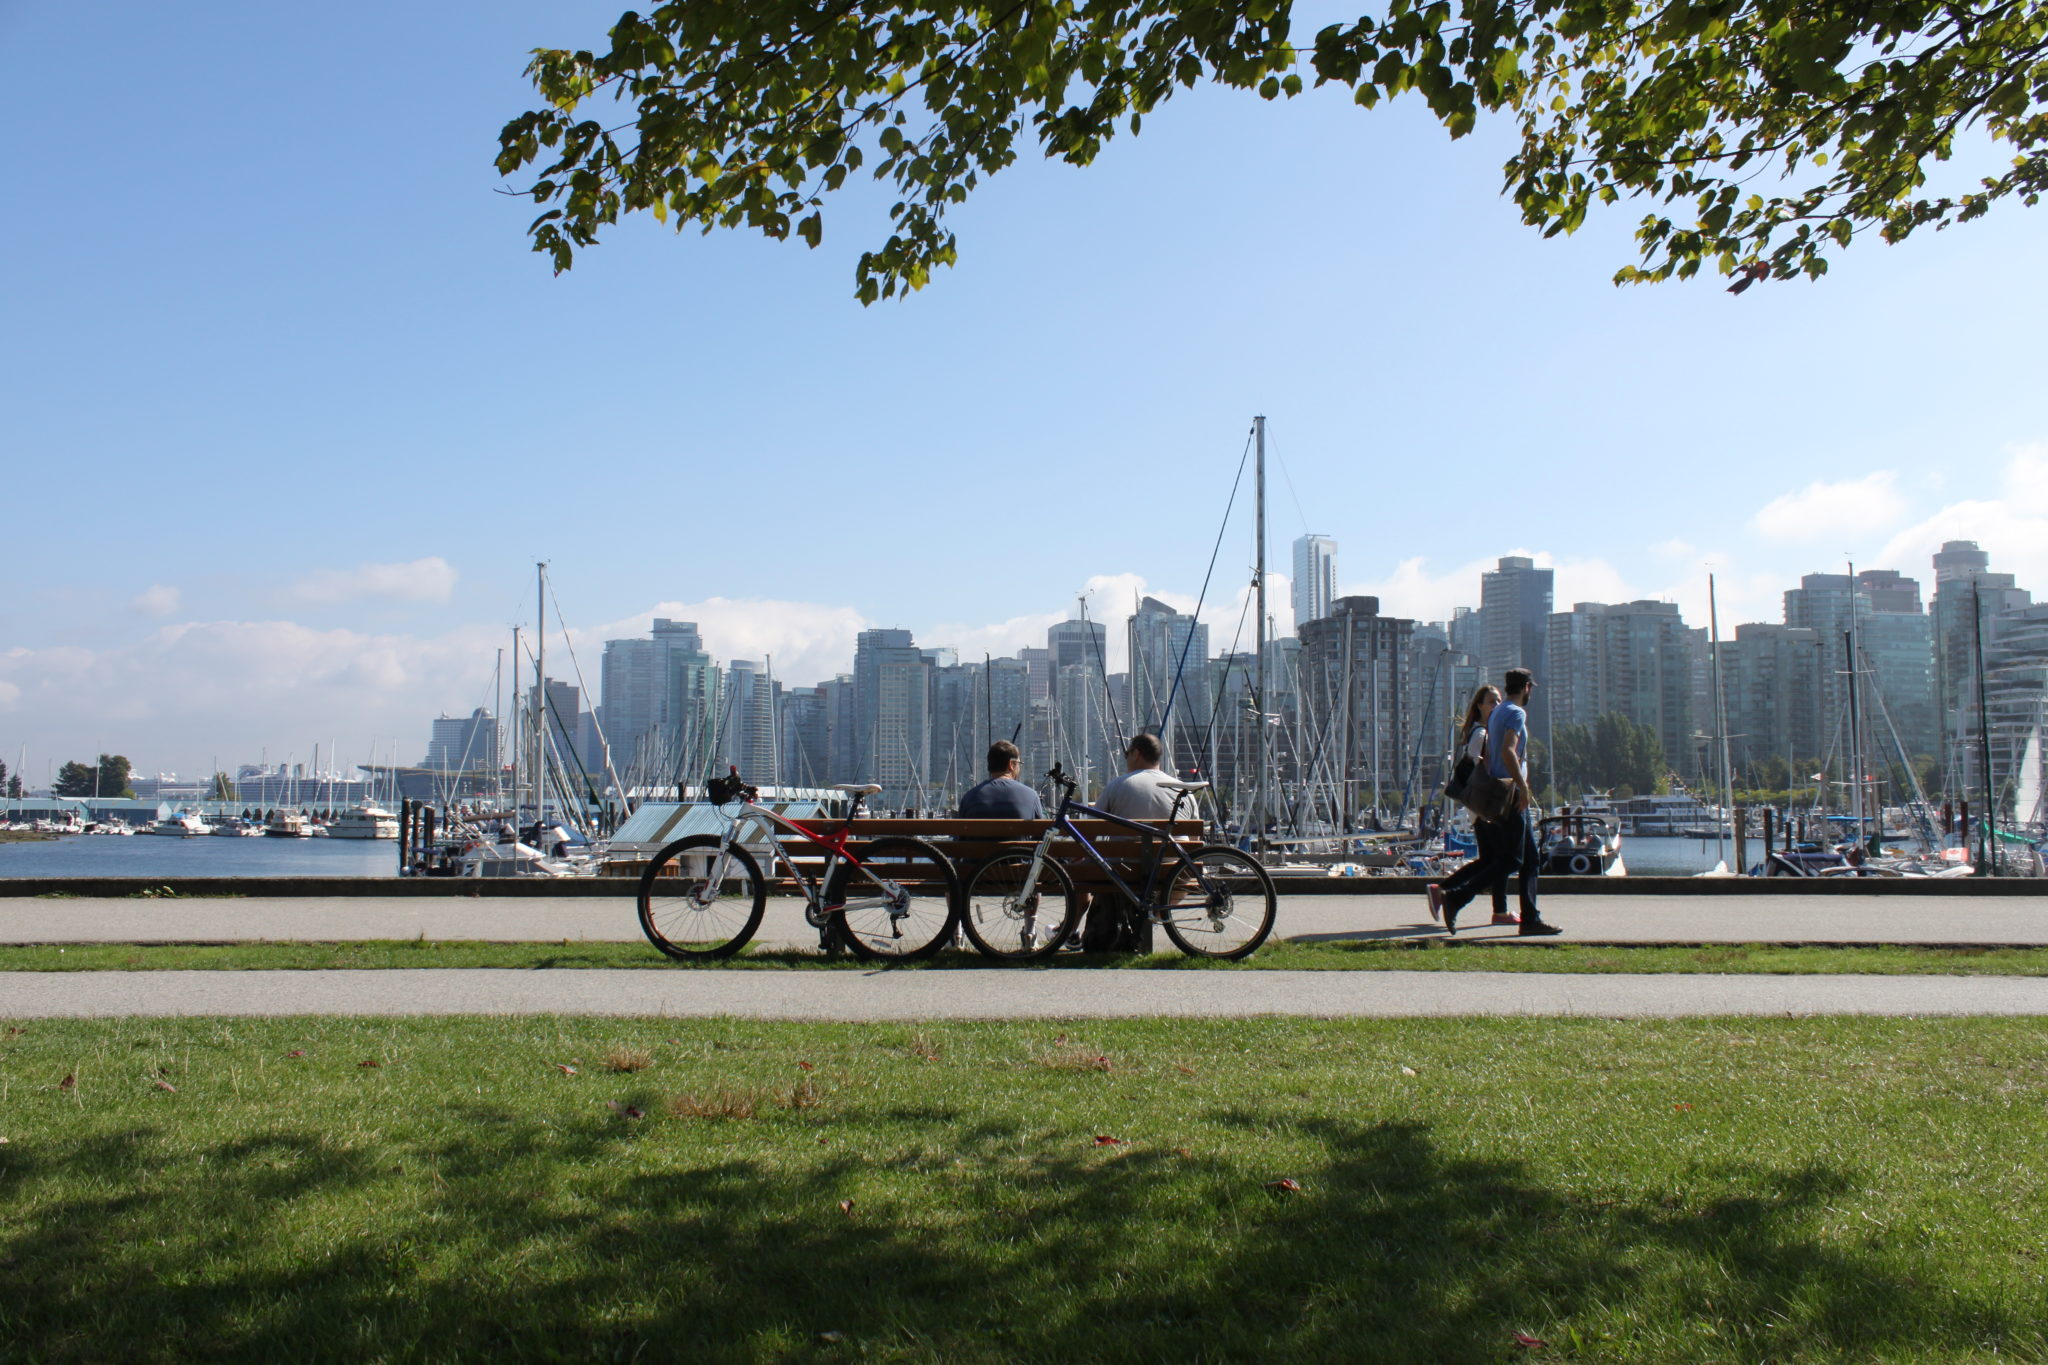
1362 955
1810 1190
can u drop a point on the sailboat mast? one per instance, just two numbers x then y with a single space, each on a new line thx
1986 822
1720 720
540 693
517 710
1855 718
1259 700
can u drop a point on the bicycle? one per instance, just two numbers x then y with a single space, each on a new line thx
703 896
1198 902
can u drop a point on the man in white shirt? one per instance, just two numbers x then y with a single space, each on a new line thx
1138 795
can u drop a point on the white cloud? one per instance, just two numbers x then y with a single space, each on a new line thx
1841 512
2012 528
157 600
188 693
809 641
422 580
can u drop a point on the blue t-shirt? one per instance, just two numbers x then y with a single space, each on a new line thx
1000 798
1508 723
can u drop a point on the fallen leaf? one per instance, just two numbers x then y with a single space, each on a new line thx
1105 1140
70 1079
371 1062
166 1085
626 1110
16 1032
1060 1041
296 1052
565 1068
1284 1186
3 1142
821 1142
807 1066
1182 1151
1681 1108
1185 1070
1529 1343
1407 1071
831 1338
845 1205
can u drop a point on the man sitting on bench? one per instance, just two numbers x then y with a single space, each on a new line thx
1137 795
1002 797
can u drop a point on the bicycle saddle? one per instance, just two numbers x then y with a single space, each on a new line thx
1183 786
857 788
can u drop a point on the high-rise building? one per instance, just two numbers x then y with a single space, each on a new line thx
1358 694
463 743
1772 677
1315 578
1897 665
806 738
659 705
892 703
1630 658
1169 672
747 737
1964 586
1514 622
958 753
1081 738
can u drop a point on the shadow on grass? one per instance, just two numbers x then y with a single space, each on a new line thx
539 1241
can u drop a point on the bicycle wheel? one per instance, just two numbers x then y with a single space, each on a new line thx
917 921
1220 906
1014 917
687 915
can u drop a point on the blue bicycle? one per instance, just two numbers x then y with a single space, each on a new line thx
1212 901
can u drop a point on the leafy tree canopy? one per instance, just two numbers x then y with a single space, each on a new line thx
1763 133
108 778
1613 754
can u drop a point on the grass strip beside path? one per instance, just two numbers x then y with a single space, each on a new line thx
1441 1190
1363 955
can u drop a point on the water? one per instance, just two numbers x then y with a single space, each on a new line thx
151 855
1650 855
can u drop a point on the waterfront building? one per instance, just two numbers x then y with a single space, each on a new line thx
958 751
747 736
1514 615
463 743
1359 701
659 704
1635 659
1772 676
806 738
1169 669
841 730
1314 585
1897 644
892 704
1964 585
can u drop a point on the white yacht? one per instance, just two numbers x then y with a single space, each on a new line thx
367 821
286 824
183 825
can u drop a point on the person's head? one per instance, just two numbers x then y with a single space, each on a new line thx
1142 752
1003 759
1483 702
1519 681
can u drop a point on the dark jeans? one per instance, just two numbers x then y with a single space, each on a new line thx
1507 848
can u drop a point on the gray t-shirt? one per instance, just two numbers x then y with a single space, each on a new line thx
1138 796
1000 798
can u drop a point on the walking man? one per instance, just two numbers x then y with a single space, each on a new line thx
1514 848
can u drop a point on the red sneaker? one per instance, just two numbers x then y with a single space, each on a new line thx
1436 902
1506 919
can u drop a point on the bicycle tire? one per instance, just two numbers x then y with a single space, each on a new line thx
684 924
1005 920
1209 917
920 924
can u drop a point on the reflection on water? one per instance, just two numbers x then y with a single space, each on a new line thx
150 855
1657 856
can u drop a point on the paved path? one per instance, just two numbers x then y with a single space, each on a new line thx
1600 919
938 994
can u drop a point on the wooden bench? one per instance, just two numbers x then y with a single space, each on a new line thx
970 843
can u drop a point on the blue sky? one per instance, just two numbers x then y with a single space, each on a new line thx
288 408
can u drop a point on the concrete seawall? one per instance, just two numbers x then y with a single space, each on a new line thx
553 888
